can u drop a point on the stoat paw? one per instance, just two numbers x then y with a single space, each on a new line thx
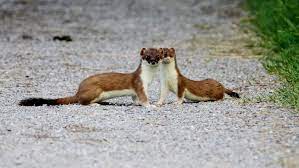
137 103
95 104
178 103
159 103
150 106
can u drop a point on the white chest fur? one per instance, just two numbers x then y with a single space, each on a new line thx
147 74
169 75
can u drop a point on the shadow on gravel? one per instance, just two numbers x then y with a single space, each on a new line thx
115 104
195 102
132 104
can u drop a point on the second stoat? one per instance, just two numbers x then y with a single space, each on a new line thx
172 79
105 86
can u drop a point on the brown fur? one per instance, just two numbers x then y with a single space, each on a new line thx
208 88
92 87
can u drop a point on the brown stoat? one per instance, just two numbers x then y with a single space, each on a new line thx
172 79
105 86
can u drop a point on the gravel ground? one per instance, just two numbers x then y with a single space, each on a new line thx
107 36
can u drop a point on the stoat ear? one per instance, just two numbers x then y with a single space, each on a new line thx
142 51
172 50
160 51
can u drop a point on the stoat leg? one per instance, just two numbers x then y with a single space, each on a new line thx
163 93
142 97
95 104
135 99
179 101
180 95
90 96
148 105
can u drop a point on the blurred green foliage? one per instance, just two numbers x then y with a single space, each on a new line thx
277 22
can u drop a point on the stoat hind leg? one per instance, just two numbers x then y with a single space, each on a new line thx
95 104
180 95
90 95
136 100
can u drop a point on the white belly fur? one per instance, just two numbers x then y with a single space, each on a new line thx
190 96
170 76
115 93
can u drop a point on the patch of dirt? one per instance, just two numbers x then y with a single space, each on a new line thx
242 44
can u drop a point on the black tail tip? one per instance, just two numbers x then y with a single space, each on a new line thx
234 94
37 102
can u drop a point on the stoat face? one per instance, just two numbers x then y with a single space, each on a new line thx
151 56
168 55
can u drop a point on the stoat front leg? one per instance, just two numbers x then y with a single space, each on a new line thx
163 92
179 101
142 97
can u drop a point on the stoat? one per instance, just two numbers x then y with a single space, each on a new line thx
172 79
105 86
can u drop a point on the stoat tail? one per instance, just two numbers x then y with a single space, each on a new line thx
231 93
49 102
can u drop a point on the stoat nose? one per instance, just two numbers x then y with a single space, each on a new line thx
153 60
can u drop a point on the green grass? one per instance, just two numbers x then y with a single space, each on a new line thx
277 22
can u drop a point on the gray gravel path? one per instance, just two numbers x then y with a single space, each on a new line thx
107 37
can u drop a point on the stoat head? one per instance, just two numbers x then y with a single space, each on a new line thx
168 55
151 56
